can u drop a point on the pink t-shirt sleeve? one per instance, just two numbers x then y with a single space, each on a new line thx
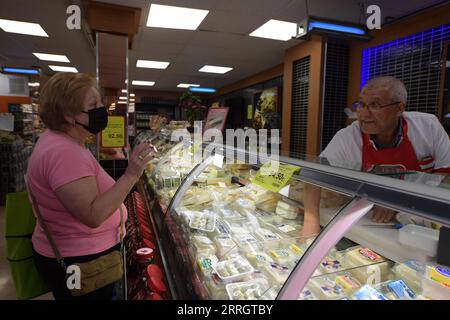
68 165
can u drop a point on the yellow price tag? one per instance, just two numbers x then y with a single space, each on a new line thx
274 176
114 134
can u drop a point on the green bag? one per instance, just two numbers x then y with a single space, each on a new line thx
20 223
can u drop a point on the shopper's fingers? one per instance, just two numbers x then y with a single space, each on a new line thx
376 214
389 215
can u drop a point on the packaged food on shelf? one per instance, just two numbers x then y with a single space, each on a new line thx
331 264
283 255
366 265
267 236
278 272
205 263
368 292
348 283
203 245
216 287
286 210
434 290
204 221
268 205
234 269
272 293
438 274
225 212
326 288
222 227
249 290
225 245
411 272
258 258
359 256
247 241
307 294
243 204
400 290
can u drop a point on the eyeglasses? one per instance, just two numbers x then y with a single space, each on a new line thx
372 107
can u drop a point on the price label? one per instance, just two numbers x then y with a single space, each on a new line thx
274 176
114 134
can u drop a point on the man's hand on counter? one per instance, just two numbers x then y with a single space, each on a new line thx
382 215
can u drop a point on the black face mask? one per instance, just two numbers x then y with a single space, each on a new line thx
98 120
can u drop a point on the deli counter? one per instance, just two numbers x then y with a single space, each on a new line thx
226 233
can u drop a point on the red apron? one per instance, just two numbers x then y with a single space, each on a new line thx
402 155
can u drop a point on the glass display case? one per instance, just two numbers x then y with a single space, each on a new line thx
234 237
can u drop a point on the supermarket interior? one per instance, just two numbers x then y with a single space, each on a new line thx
224 150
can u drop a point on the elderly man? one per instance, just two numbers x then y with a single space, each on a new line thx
383 135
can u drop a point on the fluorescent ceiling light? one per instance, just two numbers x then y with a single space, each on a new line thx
122 98
277 30
187 85
207 90
215 69
132 100
33 84
124 91
152 64
19 70
175 17
132 95
122 102
143 83
32 29
63 69
51 57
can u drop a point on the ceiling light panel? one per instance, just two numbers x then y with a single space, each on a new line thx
51 57
175 17
215 69
143 83
276 30
63 69
152 64
28 28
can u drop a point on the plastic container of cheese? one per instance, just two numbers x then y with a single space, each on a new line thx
247 242
411 272
225 245
259 258
234 269
249 290
326 288
366 265
269 238
203 221
278 272
203 245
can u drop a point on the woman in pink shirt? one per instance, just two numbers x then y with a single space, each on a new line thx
77 199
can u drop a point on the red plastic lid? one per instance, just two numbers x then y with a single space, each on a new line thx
154 271
149 244
156 285
144 253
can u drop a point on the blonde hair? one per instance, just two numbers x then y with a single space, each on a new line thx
394 86
63 95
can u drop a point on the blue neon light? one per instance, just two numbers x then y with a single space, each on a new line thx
200 89
20 70
335 27
432 39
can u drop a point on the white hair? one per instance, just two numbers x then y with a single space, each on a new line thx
394 86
